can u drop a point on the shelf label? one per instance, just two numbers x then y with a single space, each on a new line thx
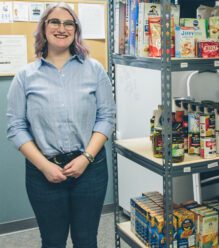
184 65
212 165
187 169
216 63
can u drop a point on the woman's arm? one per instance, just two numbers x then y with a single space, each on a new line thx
18 130
78 165
52 172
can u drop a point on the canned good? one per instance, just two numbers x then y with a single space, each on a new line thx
208 147
207 125
185 143
194 144
217 142
179 115
178 102
193 122
185 124
217 118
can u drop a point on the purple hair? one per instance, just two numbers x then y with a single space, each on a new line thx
77 47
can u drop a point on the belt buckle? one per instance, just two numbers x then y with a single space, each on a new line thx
56 161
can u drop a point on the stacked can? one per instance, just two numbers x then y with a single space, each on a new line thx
194 128
177 133
207 130
217 126
181 117
185 104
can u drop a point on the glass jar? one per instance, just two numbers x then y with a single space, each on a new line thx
177 147
157 143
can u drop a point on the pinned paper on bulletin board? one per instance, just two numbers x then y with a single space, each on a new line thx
92 20
21 11
6 14
11 58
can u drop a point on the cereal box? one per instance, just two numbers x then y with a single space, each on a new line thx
185 42
133 26
119 34
145 11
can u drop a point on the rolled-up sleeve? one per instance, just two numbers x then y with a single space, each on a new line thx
106 110
17 129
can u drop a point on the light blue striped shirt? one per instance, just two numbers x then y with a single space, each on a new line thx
59 109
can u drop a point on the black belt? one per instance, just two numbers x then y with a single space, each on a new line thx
65 157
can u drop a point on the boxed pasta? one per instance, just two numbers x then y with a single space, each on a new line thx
185 228
185 42
208 229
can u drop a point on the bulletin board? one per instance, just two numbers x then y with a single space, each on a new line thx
98 47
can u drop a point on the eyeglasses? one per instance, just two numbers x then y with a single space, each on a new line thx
56 23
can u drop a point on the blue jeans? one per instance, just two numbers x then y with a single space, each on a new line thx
74 204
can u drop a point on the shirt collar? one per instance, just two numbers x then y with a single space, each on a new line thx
42 60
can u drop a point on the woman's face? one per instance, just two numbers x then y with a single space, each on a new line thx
59 30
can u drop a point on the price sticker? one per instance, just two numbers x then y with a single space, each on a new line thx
187 169
212 165
184 65
216 63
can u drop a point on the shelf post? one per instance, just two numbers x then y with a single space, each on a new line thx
111 73
167 118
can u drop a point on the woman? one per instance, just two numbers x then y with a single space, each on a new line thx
60 114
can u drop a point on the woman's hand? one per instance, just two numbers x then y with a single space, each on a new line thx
76 167
54 173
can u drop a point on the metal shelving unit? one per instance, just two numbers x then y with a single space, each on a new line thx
140 151
177 64
135 150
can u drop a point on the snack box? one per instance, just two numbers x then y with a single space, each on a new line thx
200 26
185 42
207 49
